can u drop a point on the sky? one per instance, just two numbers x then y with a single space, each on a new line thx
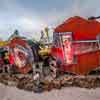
31 16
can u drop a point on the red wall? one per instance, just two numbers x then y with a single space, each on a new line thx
85 63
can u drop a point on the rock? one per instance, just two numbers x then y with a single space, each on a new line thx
57 84
26 82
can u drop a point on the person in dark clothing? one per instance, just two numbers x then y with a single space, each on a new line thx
5 57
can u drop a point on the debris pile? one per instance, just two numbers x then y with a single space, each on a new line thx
27 82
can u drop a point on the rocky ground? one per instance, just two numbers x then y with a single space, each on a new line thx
22 87
27 83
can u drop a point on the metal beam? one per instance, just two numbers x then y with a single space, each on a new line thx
85 41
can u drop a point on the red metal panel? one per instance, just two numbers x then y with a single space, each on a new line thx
57 52
85 63
83 29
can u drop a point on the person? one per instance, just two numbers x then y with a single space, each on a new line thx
68 50
6 66
6 57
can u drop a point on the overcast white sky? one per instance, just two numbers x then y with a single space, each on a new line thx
30 16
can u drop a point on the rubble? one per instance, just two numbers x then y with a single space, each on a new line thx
27 82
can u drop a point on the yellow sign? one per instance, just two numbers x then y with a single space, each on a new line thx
3 43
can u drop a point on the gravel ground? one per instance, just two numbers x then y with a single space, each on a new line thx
68 93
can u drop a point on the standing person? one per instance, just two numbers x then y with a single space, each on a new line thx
6 57
68 50
6 67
